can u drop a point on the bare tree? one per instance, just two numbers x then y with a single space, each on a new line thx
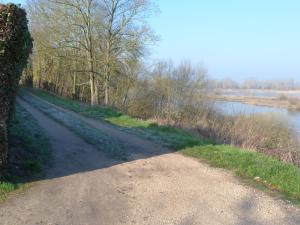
73 25
123 36
103 37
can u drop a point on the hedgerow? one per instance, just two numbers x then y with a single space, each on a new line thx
15 47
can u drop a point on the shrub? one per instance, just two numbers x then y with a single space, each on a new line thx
282 97
293 101
33 165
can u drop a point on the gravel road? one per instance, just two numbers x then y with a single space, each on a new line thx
155 186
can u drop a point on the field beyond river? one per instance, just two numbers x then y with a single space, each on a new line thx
270 98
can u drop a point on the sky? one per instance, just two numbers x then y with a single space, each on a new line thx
13 1
232 38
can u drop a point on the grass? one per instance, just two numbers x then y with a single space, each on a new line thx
261 169
165 135
6 188
272 173
29 151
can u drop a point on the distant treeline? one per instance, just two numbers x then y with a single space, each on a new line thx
252 83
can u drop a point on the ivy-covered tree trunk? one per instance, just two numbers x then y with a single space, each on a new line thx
15 47
3 141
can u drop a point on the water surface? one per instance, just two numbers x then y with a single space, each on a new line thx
233 108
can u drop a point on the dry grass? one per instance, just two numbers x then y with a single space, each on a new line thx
292 102
265 133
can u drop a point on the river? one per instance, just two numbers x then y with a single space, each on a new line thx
233 108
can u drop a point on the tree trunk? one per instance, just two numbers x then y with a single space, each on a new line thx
3 143
106 86
74 93
94 90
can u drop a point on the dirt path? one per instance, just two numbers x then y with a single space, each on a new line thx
84 187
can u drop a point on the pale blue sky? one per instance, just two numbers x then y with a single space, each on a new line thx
13 1
233 38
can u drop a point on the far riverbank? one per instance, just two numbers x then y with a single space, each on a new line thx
278 99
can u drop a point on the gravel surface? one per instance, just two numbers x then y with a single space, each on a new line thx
86 187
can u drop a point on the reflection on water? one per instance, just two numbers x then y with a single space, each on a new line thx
232 108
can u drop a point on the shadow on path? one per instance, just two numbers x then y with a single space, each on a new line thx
71 154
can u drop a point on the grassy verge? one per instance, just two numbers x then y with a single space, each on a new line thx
261 169
269 172
29 151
